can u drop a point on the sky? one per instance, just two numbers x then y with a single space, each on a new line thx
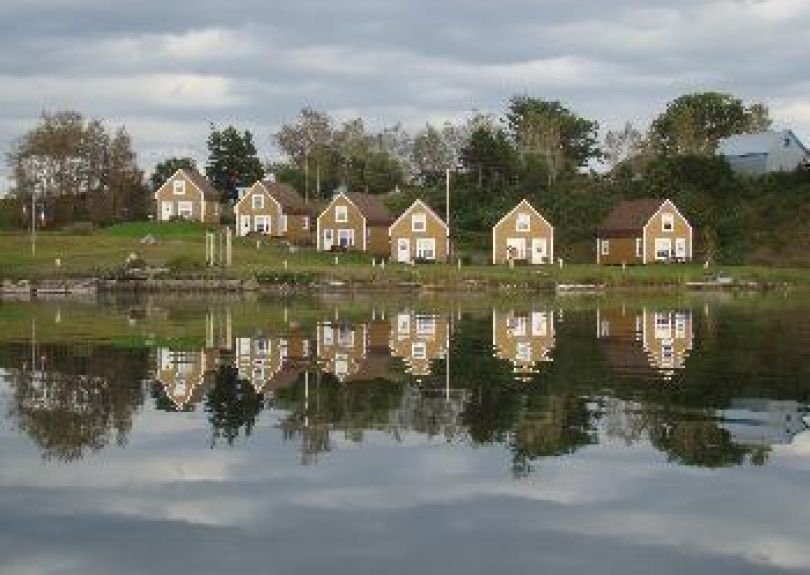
167 69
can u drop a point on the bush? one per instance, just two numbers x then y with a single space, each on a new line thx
285 278
185 264
79 229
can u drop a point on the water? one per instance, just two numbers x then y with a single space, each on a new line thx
399 434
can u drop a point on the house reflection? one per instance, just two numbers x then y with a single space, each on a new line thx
341 348
186 374
525 339
419 339
636 341
271 363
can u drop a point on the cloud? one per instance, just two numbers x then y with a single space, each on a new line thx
175 63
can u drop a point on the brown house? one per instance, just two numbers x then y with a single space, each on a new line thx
354 221
273 209
419 235
523 234
639 342
185 375
644 231
271 363
187 195
341 348
525 339
419 339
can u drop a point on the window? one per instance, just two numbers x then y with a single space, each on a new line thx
667 222
345 238
605 247
179 187
604 328
663 325
305 222
404 323
517 326
419 350
258 202
328 335
426 249
341 214
345 336
283 223
262 224
523 352
639 246
425 325
418 222
524 223
662 248
185 209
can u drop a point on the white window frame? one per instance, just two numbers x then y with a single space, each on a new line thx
419 350
283 226
341 214
261 224
426 325
659 243
328 335
258 205
523 222
420 219
425 246
305 222
523 351
185 209
604 247
347 233
667 222
639 247
179 188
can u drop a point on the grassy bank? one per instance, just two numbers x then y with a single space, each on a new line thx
180 249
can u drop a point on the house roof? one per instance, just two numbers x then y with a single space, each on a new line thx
427 208
202 183
291 202
372 208
630 216
754 144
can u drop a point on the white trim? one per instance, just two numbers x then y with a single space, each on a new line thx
658 211
539 215
326 210
427 209
363 231
250 191
598 256
181 171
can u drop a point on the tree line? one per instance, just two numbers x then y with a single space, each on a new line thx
538 149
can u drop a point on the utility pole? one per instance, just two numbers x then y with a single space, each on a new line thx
447 206
33 224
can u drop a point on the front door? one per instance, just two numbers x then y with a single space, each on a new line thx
539 251
680 248
403 250
166 210
328 240
244 225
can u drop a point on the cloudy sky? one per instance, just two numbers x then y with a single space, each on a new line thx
167 68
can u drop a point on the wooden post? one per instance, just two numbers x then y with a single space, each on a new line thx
228 247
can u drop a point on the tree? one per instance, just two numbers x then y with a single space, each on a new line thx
547 129
431 155
695 123
308 143
622 145
233 161
166 169
79 170
490 156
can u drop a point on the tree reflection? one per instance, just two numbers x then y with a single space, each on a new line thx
72 402
232 404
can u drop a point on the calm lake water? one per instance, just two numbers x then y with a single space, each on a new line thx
406 435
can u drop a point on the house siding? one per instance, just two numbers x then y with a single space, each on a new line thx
622 250
201 210
327 221
654 231
538 336
405 334
506 229
434 229
270 209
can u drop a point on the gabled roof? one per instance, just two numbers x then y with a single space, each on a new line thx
372 208
201 183
284 195
526 203
630 215
754 144
424 206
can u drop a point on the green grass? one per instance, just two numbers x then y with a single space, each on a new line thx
160 230
104 253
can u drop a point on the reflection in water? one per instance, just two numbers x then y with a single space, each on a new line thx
524 339
506 376
637 340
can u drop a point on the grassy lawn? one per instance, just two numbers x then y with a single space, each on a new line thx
104 252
